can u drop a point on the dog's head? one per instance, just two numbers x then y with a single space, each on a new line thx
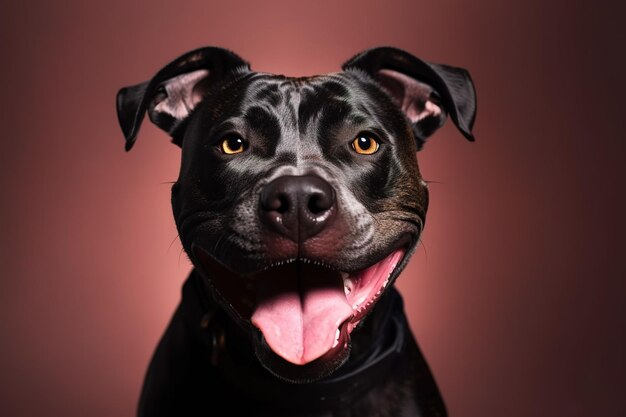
299 199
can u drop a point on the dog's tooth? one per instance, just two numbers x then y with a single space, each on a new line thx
337 334
347 283
358 303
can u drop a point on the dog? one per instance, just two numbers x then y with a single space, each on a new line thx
299 202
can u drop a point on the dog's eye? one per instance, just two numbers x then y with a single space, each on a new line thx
233 145
365 145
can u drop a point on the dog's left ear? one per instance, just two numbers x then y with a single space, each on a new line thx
425 92
171 95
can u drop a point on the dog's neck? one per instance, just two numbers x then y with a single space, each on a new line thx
376 349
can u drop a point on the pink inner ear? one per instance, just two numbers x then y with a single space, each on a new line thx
182 94
412 96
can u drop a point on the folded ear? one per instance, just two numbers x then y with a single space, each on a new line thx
171 95
425 92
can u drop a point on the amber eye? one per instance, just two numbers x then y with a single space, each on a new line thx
233 145
365 145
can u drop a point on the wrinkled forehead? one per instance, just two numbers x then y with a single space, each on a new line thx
309 104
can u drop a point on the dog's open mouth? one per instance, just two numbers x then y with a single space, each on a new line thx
304 309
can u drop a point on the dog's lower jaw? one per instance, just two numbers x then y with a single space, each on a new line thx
384 335
331 303
376 380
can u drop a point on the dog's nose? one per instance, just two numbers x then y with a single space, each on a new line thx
298 207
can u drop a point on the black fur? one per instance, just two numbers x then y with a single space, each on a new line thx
291 127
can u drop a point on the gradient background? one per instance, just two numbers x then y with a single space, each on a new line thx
517 295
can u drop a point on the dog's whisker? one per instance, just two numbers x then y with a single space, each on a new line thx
433 182
182 250
226 246
222 245
172 242
422 244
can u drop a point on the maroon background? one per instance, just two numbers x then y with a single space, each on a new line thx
517 296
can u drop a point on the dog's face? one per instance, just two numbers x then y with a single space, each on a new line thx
300 199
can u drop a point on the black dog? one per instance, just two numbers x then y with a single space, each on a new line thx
299 202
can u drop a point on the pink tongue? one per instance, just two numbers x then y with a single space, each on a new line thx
299 311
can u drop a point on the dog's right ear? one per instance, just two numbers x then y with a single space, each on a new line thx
171 95
427 93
